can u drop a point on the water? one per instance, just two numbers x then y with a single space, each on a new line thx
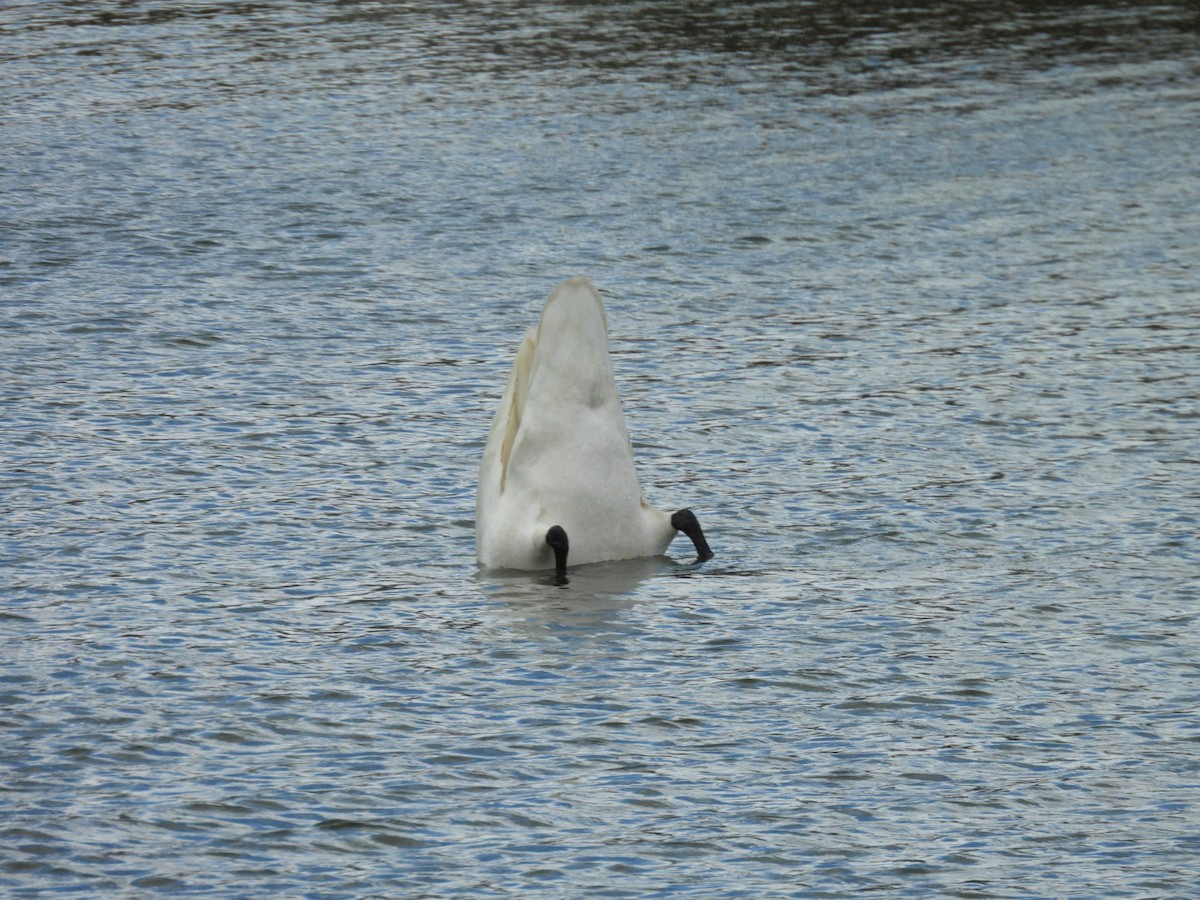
904 304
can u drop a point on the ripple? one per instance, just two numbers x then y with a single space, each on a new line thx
901 302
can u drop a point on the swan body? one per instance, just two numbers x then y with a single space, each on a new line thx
557 470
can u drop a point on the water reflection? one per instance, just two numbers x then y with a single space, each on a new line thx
598 583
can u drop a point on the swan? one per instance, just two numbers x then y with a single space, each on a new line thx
557 474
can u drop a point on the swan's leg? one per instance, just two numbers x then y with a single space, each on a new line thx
685 521
556 537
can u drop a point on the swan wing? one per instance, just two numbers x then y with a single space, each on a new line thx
506 423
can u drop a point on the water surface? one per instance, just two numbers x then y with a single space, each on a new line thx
903 303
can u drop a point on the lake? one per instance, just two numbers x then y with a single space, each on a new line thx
904 303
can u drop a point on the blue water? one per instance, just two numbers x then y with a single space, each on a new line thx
904 304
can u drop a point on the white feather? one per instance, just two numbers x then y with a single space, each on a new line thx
559 453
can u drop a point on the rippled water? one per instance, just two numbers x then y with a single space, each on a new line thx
905 304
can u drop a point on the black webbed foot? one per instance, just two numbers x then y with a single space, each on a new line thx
686 521
556 537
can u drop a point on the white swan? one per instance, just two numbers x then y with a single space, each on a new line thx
557 472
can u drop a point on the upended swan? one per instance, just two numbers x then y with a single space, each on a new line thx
557 475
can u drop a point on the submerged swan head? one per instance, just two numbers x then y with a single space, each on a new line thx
557 477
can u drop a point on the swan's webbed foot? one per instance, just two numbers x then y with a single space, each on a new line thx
685 520
556 537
